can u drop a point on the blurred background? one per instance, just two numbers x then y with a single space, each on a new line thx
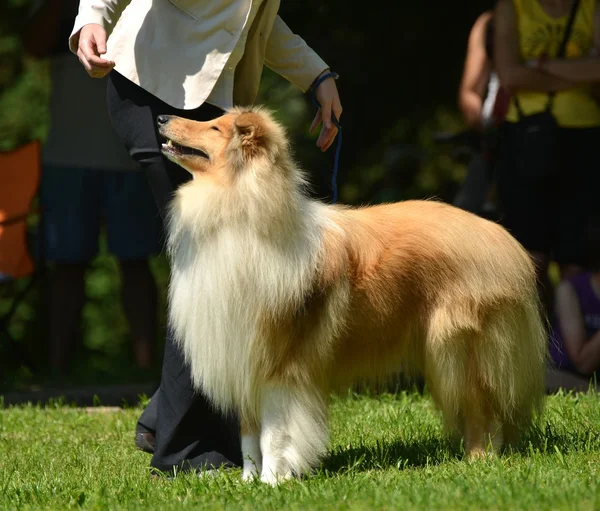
400 70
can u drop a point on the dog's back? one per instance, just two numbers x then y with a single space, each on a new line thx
442 292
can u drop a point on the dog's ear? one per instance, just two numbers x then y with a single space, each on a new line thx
251 129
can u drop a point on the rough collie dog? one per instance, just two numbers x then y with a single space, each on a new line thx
277 299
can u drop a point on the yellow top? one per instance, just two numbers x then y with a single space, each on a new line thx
541 34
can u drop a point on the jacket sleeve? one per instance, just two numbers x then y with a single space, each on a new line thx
289 56
101 12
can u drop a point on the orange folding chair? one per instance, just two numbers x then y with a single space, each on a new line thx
20 172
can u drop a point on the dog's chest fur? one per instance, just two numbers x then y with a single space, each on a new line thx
221 286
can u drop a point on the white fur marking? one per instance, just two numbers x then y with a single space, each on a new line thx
252 456
293 433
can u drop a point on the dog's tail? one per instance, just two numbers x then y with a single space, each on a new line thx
488 365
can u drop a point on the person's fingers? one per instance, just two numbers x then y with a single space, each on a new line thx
87 47
100 62
84 61
100 43
329 137
330 105
90 50
92 70
326 114
324 137
92 43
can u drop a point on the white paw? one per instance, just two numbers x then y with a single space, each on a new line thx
270 479
251 470
274 479
249 475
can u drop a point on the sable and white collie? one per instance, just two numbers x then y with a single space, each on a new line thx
277 299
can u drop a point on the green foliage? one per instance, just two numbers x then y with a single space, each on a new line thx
24 82
386 453
24 105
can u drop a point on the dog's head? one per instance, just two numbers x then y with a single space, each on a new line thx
221 148
243 173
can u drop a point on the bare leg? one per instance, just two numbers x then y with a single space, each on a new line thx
66 299
139 301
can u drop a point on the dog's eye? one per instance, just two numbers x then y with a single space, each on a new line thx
214 128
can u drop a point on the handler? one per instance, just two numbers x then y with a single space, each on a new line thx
193 59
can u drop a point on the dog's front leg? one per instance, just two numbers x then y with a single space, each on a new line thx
273 442
251 454
293 432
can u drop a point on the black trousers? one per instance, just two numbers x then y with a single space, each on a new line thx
189 433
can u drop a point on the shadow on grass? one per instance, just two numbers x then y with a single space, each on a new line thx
551 438
431 451
399 454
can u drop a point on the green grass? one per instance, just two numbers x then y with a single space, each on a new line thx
387 453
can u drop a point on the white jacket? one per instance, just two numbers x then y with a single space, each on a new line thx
177 49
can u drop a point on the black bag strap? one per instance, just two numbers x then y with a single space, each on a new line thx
559 54
568 29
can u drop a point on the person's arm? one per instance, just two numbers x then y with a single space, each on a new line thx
289 56
584 353
93 25
476 73
514 74
581 70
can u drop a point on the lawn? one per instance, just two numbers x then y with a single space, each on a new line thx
387 452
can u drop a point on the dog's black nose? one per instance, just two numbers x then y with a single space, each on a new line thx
162 119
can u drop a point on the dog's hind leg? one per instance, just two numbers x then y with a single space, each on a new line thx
481 424
251 454
510 365
460 372
482 431
293 434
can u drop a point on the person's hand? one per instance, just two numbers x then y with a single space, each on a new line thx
329 99
92 44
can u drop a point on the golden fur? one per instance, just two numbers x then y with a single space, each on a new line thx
277 299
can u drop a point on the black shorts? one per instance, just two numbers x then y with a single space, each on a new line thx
550 214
